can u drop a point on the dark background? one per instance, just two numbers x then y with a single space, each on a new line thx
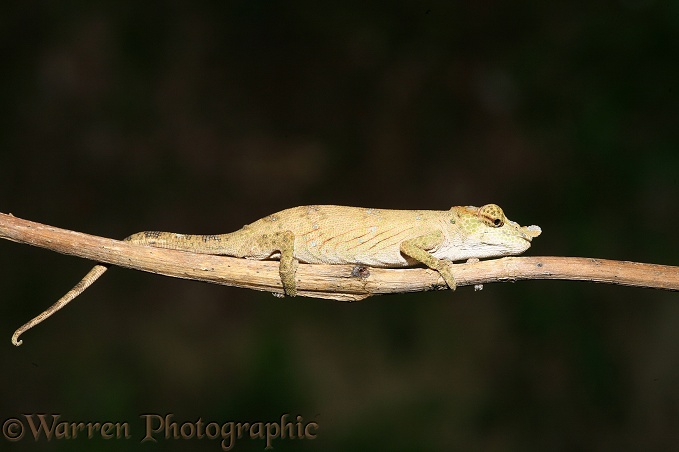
124 116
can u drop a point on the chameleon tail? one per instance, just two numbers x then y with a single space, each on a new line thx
84 283
209 244
205 244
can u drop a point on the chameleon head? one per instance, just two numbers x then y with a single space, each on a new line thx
491 234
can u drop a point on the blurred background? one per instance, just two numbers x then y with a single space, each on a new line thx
198 118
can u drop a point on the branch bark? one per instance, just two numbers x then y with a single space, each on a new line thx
337 282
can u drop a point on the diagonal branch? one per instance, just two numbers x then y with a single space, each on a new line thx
336 282
339 282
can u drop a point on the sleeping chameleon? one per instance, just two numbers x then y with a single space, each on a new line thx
326 234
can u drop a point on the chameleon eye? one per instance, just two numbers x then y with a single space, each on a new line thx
492 215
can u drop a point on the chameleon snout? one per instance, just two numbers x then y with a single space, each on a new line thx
530 232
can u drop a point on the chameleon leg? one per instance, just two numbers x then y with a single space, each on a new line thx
285 242
417 249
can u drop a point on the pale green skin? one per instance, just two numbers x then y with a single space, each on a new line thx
355 235
346 235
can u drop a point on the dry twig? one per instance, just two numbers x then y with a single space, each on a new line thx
337 282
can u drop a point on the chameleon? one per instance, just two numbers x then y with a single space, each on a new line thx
327 234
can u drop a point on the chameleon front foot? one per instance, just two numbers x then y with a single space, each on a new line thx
418 247
447 274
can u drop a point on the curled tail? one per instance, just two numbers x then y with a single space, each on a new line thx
209 244
84 283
